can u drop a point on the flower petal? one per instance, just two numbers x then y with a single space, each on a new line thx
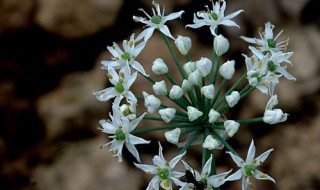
262 176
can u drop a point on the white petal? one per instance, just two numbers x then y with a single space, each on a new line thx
133 124
137 66
236 159
172 16
260 159
262 176
106 94
235 176
165 30
251 152
132 149
137 140
146 168
175 160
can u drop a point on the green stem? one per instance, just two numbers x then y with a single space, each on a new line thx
189 130
190 141
216 96
176 60
234 86
170 78
224 142
141 131
185 120
216 71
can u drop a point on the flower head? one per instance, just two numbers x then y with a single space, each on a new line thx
156 21
163 172
248 167
215 17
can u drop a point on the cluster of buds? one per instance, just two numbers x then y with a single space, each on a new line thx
199 102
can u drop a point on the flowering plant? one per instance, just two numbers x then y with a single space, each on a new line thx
200 104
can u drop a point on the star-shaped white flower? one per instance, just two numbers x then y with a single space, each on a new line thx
258 75
121 85
126 56
156 21
163 171
120 128
204 177
267 41
214 17
248 167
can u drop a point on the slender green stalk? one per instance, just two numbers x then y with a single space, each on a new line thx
176 60
199 97
170 78
217 125
245 121
190 141
159 128
204 150
189 130
224 142
215 76
234 86
160 119
213 64
216 96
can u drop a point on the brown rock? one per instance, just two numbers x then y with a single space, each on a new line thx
76 19
15 14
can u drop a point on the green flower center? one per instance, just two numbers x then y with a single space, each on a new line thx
214 16
156 19
250 169
271 66
163 173
256 75
120 135
119 87
126 56
126 112
272 43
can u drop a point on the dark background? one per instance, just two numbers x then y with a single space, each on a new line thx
50 53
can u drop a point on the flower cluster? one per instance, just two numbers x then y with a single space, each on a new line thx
198 114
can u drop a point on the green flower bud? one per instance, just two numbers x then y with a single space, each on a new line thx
119 87
214 16
272 43
126 56
271 66
250 169
163 173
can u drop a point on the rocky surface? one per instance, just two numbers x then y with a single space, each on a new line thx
50 65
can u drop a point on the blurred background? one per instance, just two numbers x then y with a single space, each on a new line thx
50 53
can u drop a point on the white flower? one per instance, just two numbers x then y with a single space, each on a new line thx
163 171
176 92
204 177
159 67
220 45
119 128
183 44
248 167
156 21
193 113
128 55
167 114
274 61
208 91
210 143
267 41
231 127
213 116
227 69
195 78
121 82
259 76
233 98
160 88
173 135
214 17
186 86
273 116
204 66
151 102
126 110
189 67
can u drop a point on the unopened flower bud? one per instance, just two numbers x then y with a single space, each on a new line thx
189 67
231 127
159 67
167 114
208 91
227 70
160 88
195 78
183 44
221 45
151 102
176 92
233 98
173 136
213 116
186 86
204 66
210 143
193 113
274 116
